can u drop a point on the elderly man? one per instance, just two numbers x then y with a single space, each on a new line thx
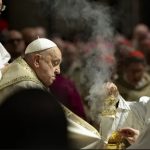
38 68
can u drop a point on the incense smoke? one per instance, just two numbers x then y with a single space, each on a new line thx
94 21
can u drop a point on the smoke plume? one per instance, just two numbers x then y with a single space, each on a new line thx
95 22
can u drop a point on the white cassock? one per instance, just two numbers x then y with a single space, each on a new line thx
145 102
143 141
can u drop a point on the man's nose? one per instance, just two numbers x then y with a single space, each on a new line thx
57 70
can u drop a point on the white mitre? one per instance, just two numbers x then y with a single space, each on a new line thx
39 45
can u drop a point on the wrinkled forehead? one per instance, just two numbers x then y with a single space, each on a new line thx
55 53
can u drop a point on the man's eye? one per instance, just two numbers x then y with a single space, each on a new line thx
55 63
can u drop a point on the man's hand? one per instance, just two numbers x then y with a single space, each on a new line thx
112 89
130 134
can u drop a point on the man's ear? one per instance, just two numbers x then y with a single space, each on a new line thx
37 60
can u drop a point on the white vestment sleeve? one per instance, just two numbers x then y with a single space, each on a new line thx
143 141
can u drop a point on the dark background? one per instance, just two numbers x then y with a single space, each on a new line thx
21 13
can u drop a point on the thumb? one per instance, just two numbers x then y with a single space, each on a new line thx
131 140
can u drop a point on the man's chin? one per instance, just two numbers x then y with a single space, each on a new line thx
51 82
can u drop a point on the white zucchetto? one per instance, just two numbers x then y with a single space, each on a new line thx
39 45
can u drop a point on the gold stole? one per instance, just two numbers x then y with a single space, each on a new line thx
17 71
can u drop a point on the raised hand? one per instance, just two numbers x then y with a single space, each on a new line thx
112 89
